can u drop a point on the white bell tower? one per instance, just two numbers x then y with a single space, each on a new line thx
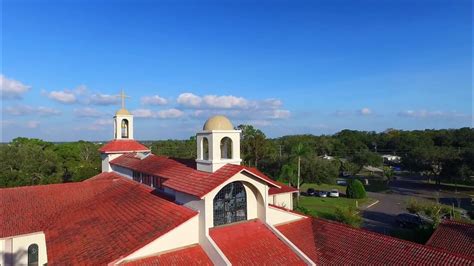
123 121
217 144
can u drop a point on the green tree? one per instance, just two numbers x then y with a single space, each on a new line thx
288 174
366 158
355 190
253 144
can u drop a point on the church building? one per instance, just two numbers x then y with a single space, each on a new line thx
145 209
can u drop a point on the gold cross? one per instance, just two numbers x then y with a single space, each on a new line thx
123 96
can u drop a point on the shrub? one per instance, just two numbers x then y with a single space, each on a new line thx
348 216
355 190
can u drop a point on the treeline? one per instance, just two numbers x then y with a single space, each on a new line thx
446 154
440 154
32 162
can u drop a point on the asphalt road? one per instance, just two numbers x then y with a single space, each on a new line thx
381 216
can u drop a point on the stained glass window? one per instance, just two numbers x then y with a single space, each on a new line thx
230 204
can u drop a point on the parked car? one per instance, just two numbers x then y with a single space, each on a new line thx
409 220
322 194
334 193
311 192
341 182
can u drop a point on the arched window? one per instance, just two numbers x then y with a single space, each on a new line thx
230 204
33 255
124 128
226 148
205 149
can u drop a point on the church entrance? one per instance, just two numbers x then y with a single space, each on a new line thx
230 204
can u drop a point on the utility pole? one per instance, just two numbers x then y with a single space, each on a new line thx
298 185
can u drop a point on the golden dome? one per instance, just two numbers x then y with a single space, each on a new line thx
122 111
218 122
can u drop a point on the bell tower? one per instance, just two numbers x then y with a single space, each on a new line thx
123 121
218 144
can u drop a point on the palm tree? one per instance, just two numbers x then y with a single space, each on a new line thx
298 151
288 173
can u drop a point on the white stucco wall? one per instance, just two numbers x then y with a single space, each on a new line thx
181 236
118 123
214 138
277 216
16 248
283 200
125 172
258 195
106 158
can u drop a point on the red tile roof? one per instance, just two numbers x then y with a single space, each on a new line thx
252 243
181 175
327 242
93 222
123 146
193 255
283 189
455 237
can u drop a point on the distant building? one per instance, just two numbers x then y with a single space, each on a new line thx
391 158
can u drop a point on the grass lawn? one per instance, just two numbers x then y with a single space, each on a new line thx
326 207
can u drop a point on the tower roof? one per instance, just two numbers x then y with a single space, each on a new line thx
122 111
123 146
218 122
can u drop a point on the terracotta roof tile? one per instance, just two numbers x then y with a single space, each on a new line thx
455 237
181 175
252 243
283 189
193 255
92 222
332 243
123 145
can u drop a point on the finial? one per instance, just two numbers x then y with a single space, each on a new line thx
123 96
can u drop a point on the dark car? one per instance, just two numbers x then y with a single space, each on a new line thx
408 220
311 192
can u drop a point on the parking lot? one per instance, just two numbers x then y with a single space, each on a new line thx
381 216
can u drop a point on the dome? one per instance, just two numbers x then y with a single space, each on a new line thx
122 111
218 122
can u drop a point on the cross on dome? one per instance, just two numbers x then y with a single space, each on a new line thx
123 96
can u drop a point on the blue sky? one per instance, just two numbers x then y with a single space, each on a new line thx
286 67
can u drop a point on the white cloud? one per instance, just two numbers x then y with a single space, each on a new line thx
103 122
272 103
189 100
104 99
20 110
32 124
97 125
431 114
162 114
365 111
279 114
12 89
20 124
154 100
143 113
87 112
170 113
225 102
65 96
